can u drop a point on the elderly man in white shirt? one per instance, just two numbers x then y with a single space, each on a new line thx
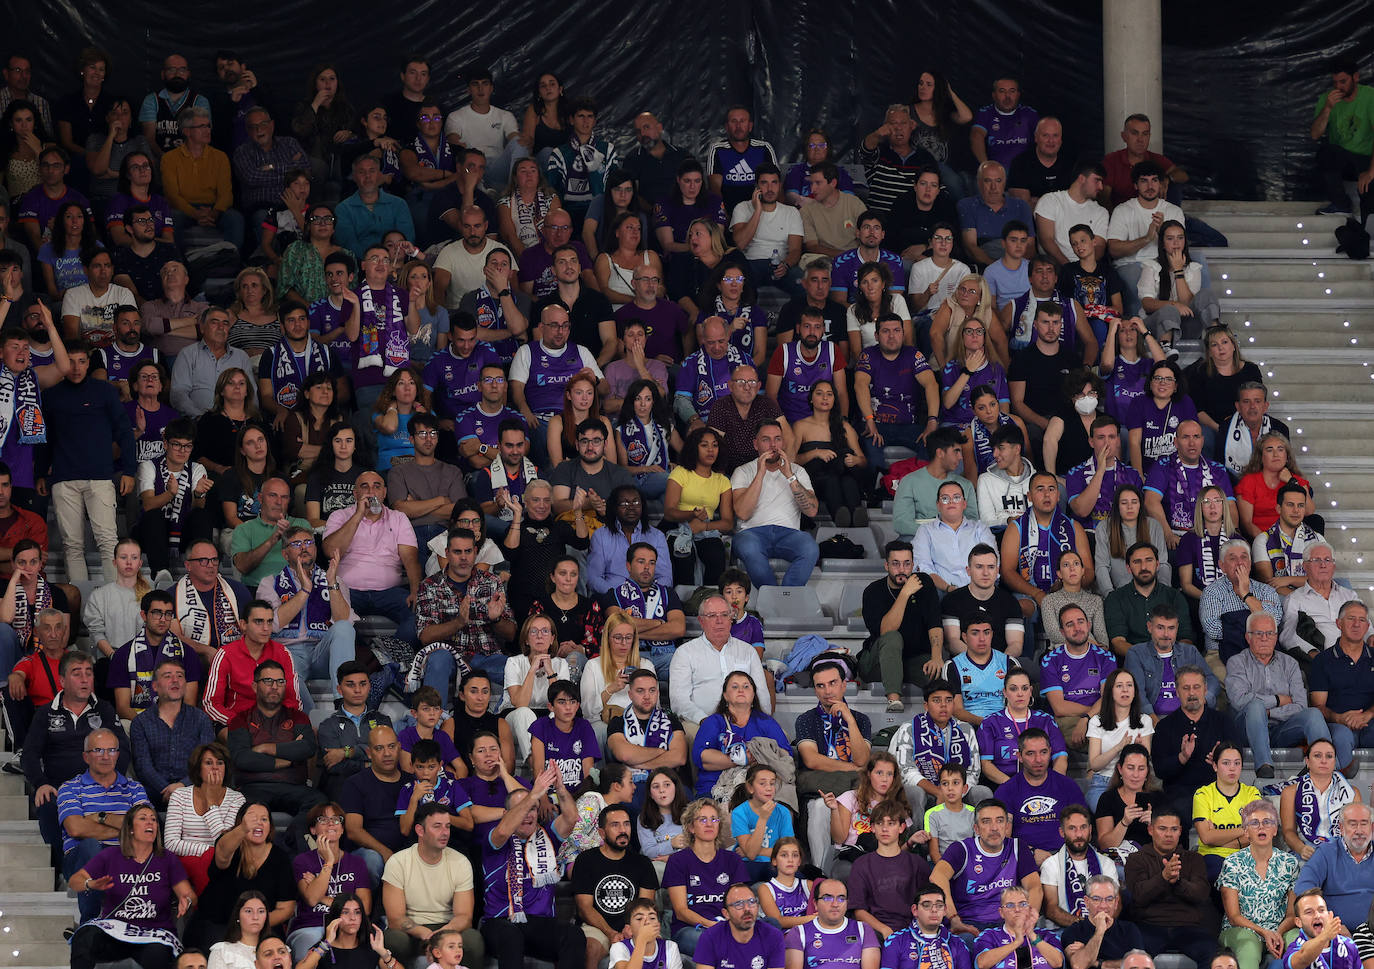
700 666
942 546
1320 600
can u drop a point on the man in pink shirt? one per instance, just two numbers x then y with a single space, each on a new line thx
379 556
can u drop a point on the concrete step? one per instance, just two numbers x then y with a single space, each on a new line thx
1282 242
1210 209
1244 223
14 807
1259 331
1226 270
24 855
36 954
28 879
1309 288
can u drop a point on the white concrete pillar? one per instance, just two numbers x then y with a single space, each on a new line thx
1132 69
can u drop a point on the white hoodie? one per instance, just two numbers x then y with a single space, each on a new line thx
1002 498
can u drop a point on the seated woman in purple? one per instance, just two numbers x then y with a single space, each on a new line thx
698 876
1155 415
723 737
564 739
322 875
144 891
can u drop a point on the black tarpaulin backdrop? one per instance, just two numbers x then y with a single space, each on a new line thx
1240 82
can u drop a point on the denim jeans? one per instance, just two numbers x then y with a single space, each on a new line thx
390 603
320 659
1346 740
441 666
755 546
1261 733
88 902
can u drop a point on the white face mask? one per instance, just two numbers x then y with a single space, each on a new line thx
1086 405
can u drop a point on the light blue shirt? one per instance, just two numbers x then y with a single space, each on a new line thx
606 557
943 551
356 226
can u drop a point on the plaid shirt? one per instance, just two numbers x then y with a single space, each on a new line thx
262 174
438 601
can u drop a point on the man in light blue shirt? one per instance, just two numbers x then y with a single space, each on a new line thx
362 219
942 546
1342 867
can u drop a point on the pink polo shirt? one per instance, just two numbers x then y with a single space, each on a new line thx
372 562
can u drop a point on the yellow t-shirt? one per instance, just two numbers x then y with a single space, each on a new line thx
699 492
1209 804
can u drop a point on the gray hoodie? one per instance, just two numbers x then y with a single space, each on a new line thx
1002 498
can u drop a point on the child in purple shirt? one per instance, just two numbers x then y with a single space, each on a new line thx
564 738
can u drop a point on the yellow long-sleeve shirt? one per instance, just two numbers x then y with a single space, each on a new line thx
188 182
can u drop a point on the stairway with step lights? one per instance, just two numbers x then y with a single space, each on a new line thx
1305 316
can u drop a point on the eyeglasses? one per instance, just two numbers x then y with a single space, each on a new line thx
427 433
1263 634
468 521
104 751
741 904
622 637
205 560
143 220
541 631
1164 378
708 820
1215 501
628 501
649 279
933 906
746 383
975 330
1261 823
162 614
272 680
713 615
732 278
1102 899
322 219
834 898
494 381
591 440
301 543
431 117
1321 561
951 499
818 144
1016 905
329 821
181 446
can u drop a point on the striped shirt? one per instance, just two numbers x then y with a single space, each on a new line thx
83 795
890 174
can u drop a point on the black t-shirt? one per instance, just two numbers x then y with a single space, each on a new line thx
466 727
332 488
907 225
1118 940
1111 806
1044 376
1098 286
612 883
835 323
1027 172
273 878
229 488
922 613
375 799
1214 394
1000 608
145 271
588 313
617 727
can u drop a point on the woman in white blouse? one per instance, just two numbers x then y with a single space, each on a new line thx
1120 722
526 693
605 680
1171 288
199 814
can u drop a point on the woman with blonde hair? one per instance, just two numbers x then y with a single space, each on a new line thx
605 680
254 311
527 201
1199 551
972 298
431 320
528 675
111 611
697 875
1271 467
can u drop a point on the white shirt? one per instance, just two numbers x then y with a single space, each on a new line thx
520 363
1131 220
698 673
147 475
465 269
868 332
1321 609
1110 738
517 668
1066 213
1052 872
775 506
773 230
925 272
1148 284
487 132
95 314
672 959
1259 549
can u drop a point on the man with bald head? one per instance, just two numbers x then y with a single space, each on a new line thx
739 416
91 807
1173 484
538 276
982 216
459 268
653 161
1042 168
379 557
259 543
541 369
369 802
833 940
706 374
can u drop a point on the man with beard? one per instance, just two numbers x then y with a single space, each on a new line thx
653 161
369 802
770 496
540 370
116 363
539 273
428 887
1066 876
138 266
164 735
1184 740
796 367
137 665
1133 230
1337 868
271 744
646 737
158 114
769 232
927 941
832 940
1129 609
974 872
654 607
737 417
897 393
461 264
519 870
706 374
606 879
741 941
1170 892
1035 794
1072 674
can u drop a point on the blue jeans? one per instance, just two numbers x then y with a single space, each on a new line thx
441 666
390 603
687 938
373 860
1260 733
1096 788
894 435
424 534
320 659
653 484
1346 740
88 902
761 274
1129 273
662 658
11 652
230 226
755 546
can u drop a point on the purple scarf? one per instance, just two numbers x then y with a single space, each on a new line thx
317 612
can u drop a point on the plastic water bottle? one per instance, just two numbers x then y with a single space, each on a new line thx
775 259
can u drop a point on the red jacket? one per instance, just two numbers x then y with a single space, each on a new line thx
229 686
